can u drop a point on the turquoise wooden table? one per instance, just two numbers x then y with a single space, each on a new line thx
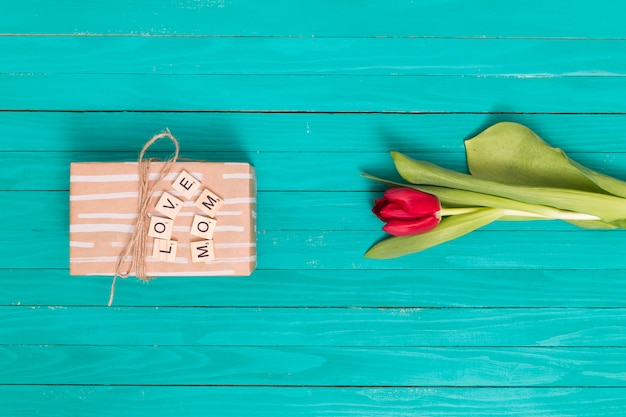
517 319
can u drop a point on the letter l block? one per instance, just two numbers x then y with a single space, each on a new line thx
164 250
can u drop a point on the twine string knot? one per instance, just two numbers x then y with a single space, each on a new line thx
134 253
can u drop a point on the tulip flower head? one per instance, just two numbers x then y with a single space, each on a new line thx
407 211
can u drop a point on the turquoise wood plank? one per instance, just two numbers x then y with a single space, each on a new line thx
318 367
105 401
315 18
311 93
49 171
311 56
330 327
321 288
343 250
249 133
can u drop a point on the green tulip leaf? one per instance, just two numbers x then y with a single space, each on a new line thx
513 154
450 197
450 228
599 224
607 207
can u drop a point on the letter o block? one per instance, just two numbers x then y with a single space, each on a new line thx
161 228
203 227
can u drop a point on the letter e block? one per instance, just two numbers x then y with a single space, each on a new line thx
160 227
169 205
186 184
202 251
203 227
164 250
209 202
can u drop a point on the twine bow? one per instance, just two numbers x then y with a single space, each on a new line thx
135 250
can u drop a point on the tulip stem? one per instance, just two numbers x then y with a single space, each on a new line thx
561 214
454 211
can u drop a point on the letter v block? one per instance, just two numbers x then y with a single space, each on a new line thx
164 250
202 251
209 202
186 184
169 205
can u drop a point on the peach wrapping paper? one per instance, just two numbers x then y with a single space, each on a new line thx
104 205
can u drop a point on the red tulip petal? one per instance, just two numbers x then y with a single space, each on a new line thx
378 206
394 211
411 227
414 202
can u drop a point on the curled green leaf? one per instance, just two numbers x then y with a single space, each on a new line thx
607 207
513 154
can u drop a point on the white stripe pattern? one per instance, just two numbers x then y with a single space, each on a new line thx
108 259
237 176
220 213
76 244
225 272
106 216
128 228
187 229
245 200
134 194
126 177
179 260
99 227
186 245
105 196
232 260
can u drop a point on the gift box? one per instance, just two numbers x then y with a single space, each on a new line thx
200 218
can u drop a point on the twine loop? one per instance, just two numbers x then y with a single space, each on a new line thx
134 252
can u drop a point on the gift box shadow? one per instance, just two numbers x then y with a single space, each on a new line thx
119 136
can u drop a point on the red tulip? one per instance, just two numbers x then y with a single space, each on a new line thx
407 211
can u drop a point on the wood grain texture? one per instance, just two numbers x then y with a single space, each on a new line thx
322 326
441 18
315 93
312 56
298 366
296 134
321 288
62 400
517 319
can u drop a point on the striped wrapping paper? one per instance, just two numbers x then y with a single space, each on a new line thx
104 205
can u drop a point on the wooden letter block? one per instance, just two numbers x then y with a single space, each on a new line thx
209 203
202 251
203 227
164 250
186 184
160 227
169 205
